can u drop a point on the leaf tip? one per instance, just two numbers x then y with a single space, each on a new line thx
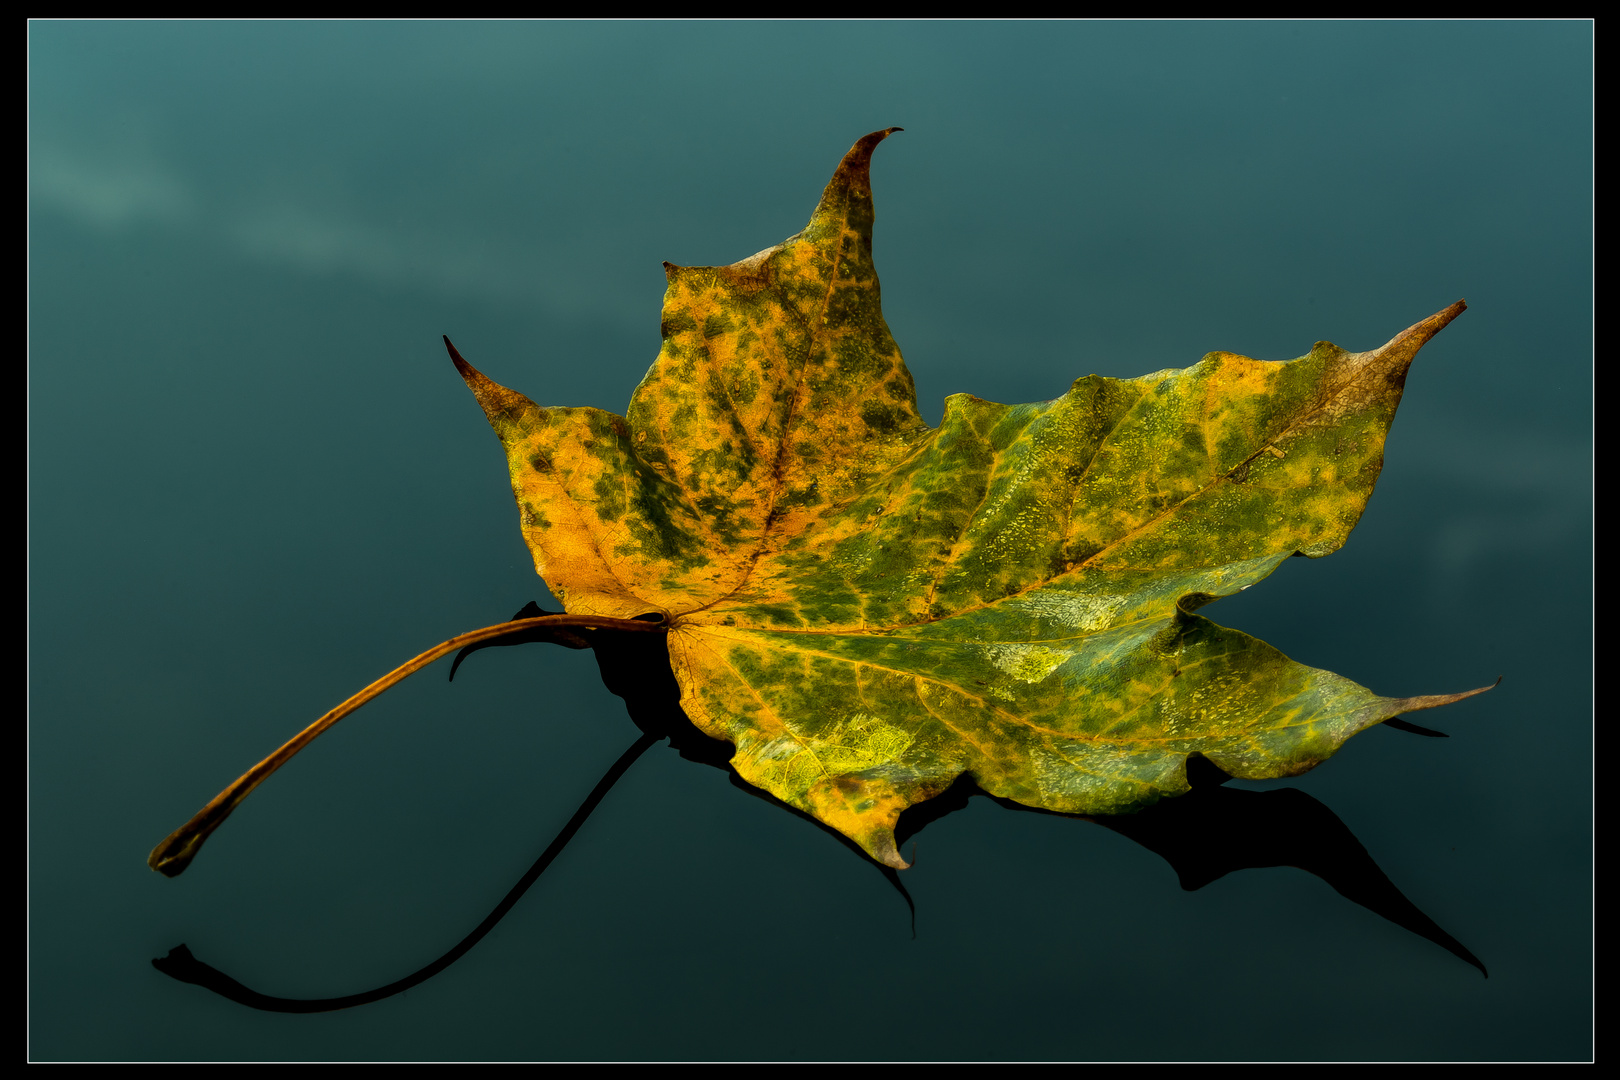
867 143
1379 375
455 357
886 851
496 400
1394 707
854 173
1445 315
1404 346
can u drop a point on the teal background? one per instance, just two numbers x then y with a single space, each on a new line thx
255 483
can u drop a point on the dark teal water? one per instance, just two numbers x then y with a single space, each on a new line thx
255 483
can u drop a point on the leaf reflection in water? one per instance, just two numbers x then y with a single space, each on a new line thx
1205 835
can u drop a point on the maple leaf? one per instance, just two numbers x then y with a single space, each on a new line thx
867 607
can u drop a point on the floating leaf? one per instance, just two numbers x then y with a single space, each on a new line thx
867 607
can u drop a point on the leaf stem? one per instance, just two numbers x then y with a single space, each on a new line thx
175 853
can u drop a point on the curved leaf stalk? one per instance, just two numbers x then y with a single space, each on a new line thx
175 853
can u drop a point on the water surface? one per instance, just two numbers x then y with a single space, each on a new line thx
255 483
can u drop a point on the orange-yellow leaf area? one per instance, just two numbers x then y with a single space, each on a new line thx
867 607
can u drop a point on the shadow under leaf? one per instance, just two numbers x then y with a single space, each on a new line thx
1204 835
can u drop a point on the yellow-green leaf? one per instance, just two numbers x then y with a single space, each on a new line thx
867 607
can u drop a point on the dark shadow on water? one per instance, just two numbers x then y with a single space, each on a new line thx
1213 831
180 964
1204 835
568 639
